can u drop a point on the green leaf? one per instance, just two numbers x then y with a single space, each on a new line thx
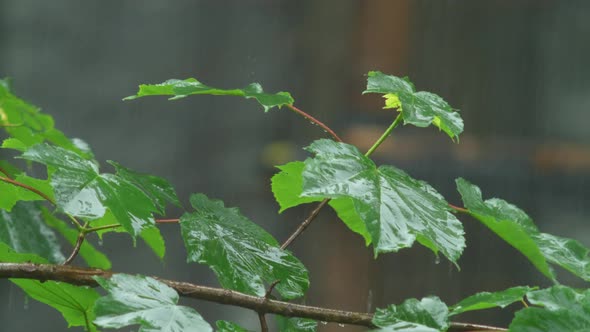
243 256
80 190
225 326
516 227
396 209
144 301
25 231
562 310
420 109
428 315
295 324
73 302
25 123
287 186
89 253
7 254
10 194
159 190
182 88
15 144
486 300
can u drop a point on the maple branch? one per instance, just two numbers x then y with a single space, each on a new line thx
169 221
305 223
458 209
3 171
315 121
84 277
76 250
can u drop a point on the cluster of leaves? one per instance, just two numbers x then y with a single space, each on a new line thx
383 204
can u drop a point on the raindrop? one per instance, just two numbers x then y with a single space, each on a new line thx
341 325
26 305
323 323
100 242
437 259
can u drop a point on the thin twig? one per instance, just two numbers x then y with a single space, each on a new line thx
3 171
315 121
84 276
101 228
305 223
76 250
169 221
459 209
29 188
270 288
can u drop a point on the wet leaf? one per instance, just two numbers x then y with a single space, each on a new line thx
396 209
287 186
183 88
428 315
561 309
420 109
24 230
515 227
159 190
75 303
80 190
144 301
243 256
295 324
486 300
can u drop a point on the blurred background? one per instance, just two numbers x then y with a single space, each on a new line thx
518 71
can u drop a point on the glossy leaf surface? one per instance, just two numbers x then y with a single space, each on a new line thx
428 315
183 88
144 301
159 190
486 300
517 228
420 109
75 303
295 324
24 230
396 209
287 187
80 190
243 256
560 309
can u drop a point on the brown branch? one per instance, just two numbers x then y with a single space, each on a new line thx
5 172
169 221
305 223
76 250
459 209
263 325
84 276
315 121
